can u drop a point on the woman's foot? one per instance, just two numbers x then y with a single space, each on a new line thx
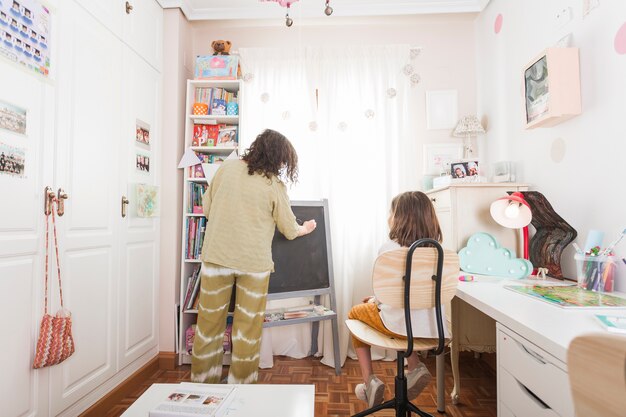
372 393
416 380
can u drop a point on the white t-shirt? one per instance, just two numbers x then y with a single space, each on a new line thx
423 321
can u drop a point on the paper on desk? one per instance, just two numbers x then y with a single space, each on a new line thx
543 282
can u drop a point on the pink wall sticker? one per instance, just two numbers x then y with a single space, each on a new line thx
497 25
620 40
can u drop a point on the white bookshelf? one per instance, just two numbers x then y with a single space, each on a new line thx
189 317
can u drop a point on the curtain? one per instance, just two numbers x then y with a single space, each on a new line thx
349 113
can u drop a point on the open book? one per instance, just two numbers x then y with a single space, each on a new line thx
193 400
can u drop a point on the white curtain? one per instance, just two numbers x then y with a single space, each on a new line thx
348 112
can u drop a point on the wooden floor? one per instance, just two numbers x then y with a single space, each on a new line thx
334 395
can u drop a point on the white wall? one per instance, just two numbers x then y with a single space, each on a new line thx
176 48
574 164
446 62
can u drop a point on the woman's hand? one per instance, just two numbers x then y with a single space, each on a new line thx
307 227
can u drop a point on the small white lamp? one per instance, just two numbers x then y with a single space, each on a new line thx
468 126
513 211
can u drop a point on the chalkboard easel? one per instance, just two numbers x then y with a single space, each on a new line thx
303 267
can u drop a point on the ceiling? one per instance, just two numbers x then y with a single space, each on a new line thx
254 9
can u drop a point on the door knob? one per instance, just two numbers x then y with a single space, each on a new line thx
129 7
61 197
124 204
48 199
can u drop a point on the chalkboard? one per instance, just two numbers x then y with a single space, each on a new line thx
303 265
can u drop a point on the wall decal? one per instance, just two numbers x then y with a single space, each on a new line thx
497 25
620 40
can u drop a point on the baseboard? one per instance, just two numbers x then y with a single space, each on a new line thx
168 361
124 389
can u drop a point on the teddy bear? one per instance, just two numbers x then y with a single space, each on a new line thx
221 47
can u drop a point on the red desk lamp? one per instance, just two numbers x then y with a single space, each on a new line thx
513 212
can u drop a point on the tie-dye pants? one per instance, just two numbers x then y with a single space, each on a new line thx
215 294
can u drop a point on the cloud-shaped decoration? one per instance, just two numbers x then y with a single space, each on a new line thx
484 255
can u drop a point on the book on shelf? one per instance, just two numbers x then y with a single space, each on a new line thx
227 344
205 134
194 198
613 323
227 136
216 98
192 288
193 400
194 227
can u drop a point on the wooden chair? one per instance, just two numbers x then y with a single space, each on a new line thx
597 373
419 278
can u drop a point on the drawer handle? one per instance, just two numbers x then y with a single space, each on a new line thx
533 396
532 354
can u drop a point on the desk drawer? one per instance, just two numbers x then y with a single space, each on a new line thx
441 199
518 400
537 370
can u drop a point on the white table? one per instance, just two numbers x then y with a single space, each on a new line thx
250 400
548 327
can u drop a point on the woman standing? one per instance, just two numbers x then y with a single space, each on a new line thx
243 204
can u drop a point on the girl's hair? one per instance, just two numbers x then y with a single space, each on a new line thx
413 218
272 154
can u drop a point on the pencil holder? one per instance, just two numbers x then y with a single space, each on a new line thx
595 273
200 109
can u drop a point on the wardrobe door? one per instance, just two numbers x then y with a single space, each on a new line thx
139 234
23 98
110 12
143 28
87 168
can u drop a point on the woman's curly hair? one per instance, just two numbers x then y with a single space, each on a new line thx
272 154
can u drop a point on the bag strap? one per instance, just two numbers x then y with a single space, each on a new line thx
56 250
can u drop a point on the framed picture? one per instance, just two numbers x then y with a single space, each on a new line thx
442 110
142 133
437 157
464 169
143 163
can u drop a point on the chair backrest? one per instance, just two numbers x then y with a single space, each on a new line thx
597 373
389 269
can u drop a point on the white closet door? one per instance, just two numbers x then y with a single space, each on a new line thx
21 242
87 168
110 12
143 28
139 246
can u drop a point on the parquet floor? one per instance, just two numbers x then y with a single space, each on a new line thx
334 395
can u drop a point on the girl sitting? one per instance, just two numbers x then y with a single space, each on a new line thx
412 217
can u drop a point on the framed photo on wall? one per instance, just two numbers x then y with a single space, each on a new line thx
442 110
437 157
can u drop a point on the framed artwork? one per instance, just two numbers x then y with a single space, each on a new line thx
442 110
142 133
437 157
147 197
12 118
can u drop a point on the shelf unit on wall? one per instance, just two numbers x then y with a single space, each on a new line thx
187 317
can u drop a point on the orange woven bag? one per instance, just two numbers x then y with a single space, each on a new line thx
55 343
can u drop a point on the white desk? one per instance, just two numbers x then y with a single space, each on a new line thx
523 319
250 400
